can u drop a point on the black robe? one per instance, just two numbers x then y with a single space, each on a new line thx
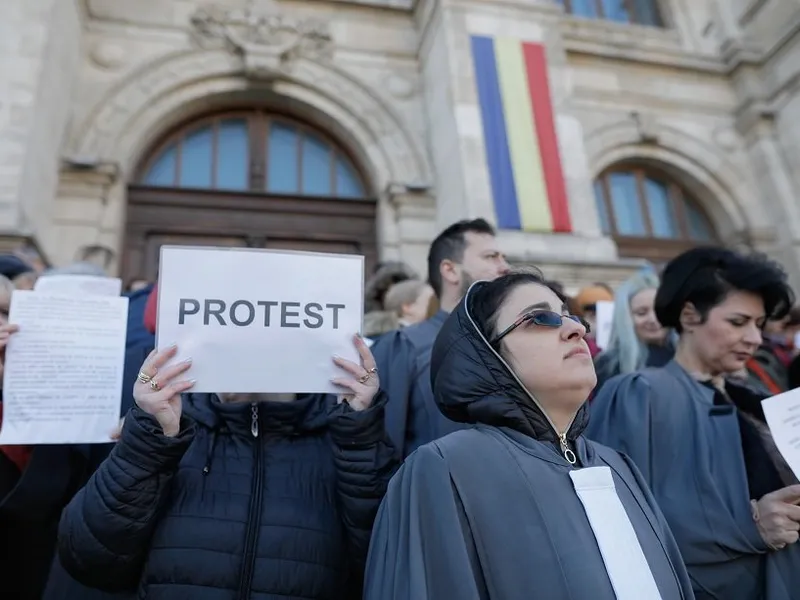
491 513
704 465
403 358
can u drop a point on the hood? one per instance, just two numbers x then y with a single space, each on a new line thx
305 414
151 310
384 278
286 419
13 266
472 384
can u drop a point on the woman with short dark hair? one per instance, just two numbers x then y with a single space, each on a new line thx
521 505
700 439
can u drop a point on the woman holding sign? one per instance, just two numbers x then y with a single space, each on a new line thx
245 496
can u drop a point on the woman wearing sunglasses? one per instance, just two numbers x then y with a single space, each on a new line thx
521 505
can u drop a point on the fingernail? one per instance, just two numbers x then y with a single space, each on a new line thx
188 361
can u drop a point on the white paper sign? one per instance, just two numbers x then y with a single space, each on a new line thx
783 417
62 381
260 321
603 321
79 285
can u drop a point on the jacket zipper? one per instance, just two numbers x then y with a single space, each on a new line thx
566 451
254 513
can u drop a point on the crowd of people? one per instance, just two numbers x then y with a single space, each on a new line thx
483 447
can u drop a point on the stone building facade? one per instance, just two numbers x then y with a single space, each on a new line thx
696 100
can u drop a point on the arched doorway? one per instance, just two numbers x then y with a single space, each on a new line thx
247 178
648 213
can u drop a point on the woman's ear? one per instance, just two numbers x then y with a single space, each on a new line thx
690 317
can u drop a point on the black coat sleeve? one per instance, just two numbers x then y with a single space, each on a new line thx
105 530
365 462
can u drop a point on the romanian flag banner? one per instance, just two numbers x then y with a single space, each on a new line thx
520 135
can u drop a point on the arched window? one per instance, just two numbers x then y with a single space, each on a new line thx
254 152
642 12
247 178
648 214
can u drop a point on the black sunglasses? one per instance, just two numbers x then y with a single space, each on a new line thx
542 318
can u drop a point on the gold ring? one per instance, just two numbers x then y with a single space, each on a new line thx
144 377
373 370
154 385
364 378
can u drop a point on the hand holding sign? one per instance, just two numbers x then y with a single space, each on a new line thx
159 393
366 384
778 517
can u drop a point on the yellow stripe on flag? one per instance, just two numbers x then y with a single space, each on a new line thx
523 142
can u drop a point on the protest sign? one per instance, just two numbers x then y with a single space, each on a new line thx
62 380
79 285
782 413
604 319
259 321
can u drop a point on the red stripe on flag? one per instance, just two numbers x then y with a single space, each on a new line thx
539 90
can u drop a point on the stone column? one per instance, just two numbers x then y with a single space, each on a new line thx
445 115
415 228
778 194
82 214
463 188
40 44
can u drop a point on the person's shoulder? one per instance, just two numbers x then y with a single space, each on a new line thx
640 388
425 464
613 458
639 380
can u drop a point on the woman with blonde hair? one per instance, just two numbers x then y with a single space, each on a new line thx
637 340
405 303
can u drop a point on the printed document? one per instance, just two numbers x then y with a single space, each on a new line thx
62 380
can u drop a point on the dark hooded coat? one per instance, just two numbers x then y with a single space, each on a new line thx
219 512
490 512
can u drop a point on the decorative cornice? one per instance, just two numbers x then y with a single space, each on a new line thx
739 52
268 40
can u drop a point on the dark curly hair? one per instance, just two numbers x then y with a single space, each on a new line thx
705 276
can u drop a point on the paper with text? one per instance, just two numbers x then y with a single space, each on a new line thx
79 285
260 321
783 417
62 381
604 320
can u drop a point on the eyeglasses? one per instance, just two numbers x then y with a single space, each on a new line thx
542 318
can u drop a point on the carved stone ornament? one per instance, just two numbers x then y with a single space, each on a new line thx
269 41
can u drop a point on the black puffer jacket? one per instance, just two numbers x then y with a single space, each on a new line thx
220 513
